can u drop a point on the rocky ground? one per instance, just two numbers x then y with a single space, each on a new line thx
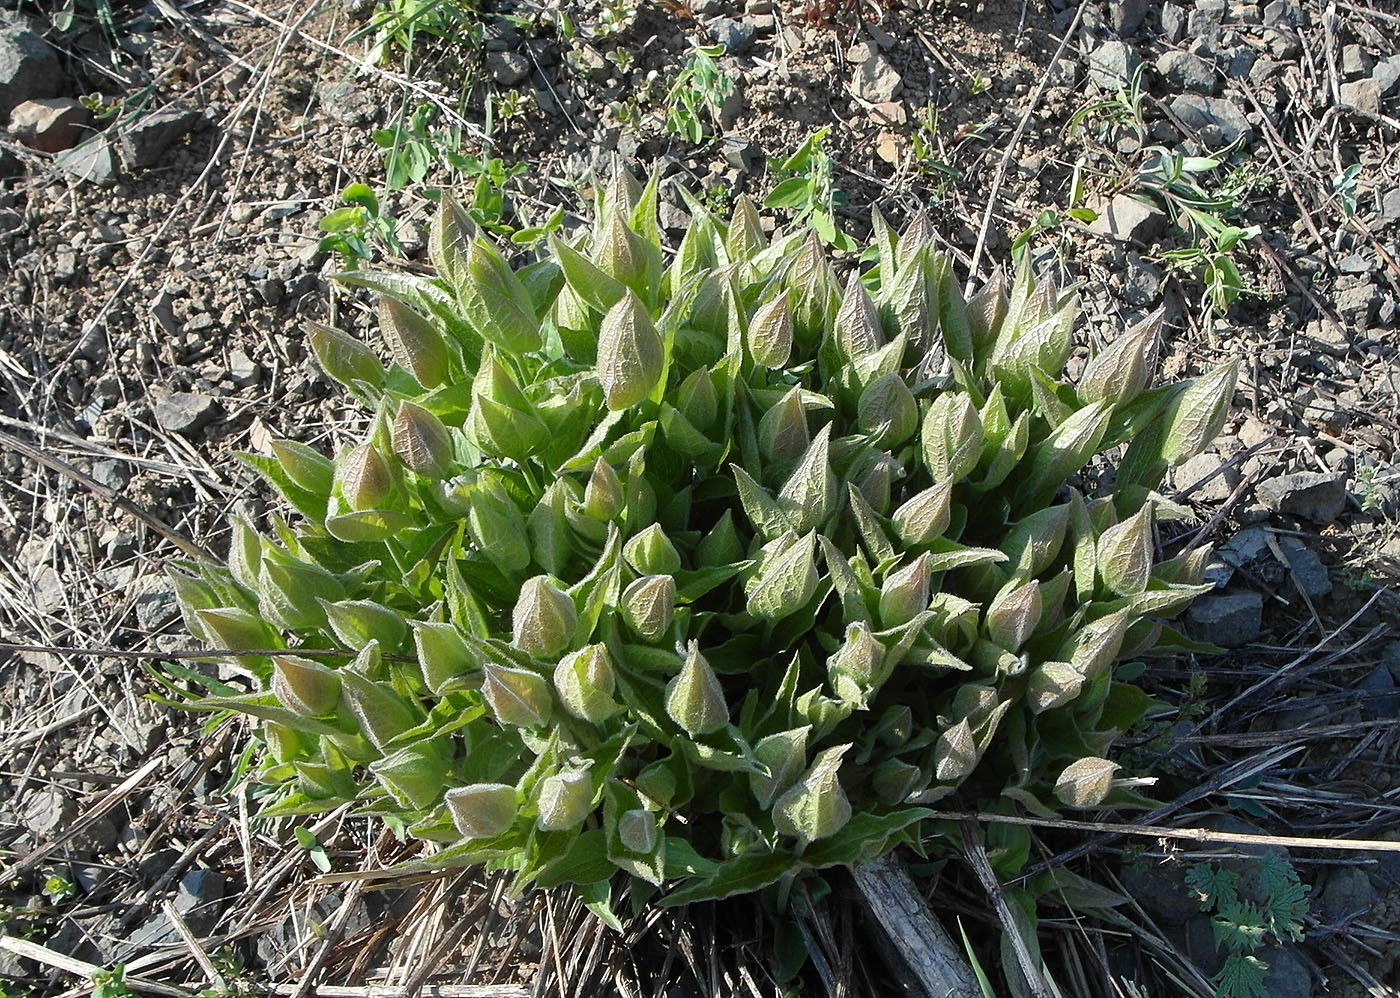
161 188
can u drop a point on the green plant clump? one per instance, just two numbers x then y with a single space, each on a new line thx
710 570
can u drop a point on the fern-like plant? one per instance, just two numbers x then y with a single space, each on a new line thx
708 569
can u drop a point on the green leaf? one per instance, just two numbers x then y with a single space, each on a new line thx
743 875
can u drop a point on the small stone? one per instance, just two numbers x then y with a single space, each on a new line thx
1364 95
1173 20
185 412
1239 63
1312 495
51 124
412 237
243 369
1200 112
1356 61
887 147
1283 43
673 217
1185 71
1230 620
29 68
735 36
48 812
90 160
65 265
270 290
1218 477
144 140
1387 75
1126 16
893 112
1128 219
1381 698
875 80
155 603
1347 894
1288 975
1306 567
507 68
1112 64
738 152
111 474
1281 14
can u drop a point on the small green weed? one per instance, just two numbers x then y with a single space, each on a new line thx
110 983
352 230
396 24
806 189
58 888
1243 927
698 93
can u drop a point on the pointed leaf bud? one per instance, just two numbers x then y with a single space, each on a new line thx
236 629
495 303
905 593
986 309
857 323
649 604
304 685
770 332
1051 685
955 753
414 342
585 681
952 437
1124 554
442 655
516 697
815 807
1033 542
785 756
636 830
307 467
603 495
1119 373
288 590
887 409
1185 570
1085 783
696 400
452 235
694 697
497 526
810 496
343 357
1199 413
894 780
245 554
925 517
365 479
483 810
413 775
502 420
721 546
746 238
782 430
620 252
787 581
651 552
857 667
358 622
381 712
875 476
1012 617
631 355
917 235
1095 646
565 799
421 441
544 618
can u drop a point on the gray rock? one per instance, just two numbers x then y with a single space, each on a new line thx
1359 303
1356 61
1185 71
1201 468
1229 620
1126 16
1142 284
1387 75
507 68
1126 218
1161 890
1385 872
1347 895
1380 698
1306 567
347 103
196 901
1239 62
1288 975
51 124
1173 20
144 140
1282 43
1112 64
114 474
1200 112
1364 95
281 945
155 601
735 36
243 369
29 69
1312 495
185 412
1281 14
91 161
738 152
47 812
875 79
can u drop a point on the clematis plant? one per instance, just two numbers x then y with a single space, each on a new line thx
708 568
